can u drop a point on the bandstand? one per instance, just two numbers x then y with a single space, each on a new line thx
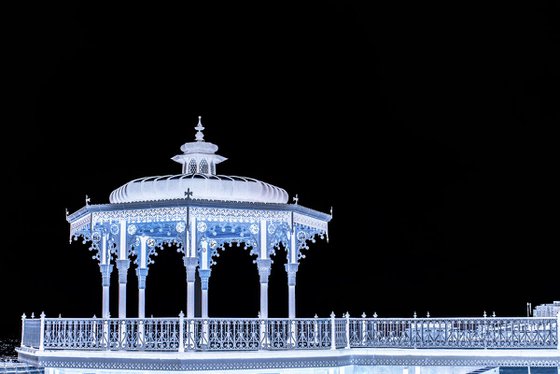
201 213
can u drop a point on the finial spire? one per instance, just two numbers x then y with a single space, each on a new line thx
199 137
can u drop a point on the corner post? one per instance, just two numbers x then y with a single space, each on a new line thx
333 332
347 330
181 331
22 329
42 333
558 334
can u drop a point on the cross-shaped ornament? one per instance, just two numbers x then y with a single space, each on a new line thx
188 193
296 199
87 200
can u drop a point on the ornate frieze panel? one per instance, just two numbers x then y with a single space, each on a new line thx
303 220
164 214
80 224
239 215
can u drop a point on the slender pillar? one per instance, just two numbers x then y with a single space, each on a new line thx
123 263
263 266
122 267
292 269
106 270
190 264
204 278
142 274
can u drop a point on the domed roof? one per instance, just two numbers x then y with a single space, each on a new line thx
199 180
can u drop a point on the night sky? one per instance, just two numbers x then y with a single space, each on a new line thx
428 128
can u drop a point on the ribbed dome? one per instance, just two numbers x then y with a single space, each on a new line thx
202 186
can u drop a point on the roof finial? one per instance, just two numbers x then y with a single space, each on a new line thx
199 135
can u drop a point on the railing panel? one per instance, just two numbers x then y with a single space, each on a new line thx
31 333
467 333
340 330
228 334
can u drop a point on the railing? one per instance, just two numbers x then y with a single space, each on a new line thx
466 333
250 334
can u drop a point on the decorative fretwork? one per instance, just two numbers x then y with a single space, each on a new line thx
277 236
203 169
304 236
215 236
192 166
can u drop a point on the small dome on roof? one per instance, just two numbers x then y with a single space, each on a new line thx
199 180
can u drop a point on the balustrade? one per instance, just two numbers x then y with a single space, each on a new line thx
250 334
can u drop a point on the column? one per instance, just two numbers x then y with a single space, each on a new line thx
263 266
204 278
292 269
123 263
122 267
190 264
142 273
106 270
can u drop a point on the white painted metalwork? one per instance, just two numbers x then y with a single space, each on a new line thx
249 334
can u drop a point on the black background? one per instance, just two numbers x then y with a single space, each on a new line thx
427 126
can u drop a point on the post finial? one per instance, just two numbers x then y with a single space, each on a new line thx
199 137
296 199
87 200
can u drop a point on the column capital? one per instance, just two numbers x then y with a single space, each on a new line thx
190 264
122 266
204 277
142 273
263 266
106 271
291 269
